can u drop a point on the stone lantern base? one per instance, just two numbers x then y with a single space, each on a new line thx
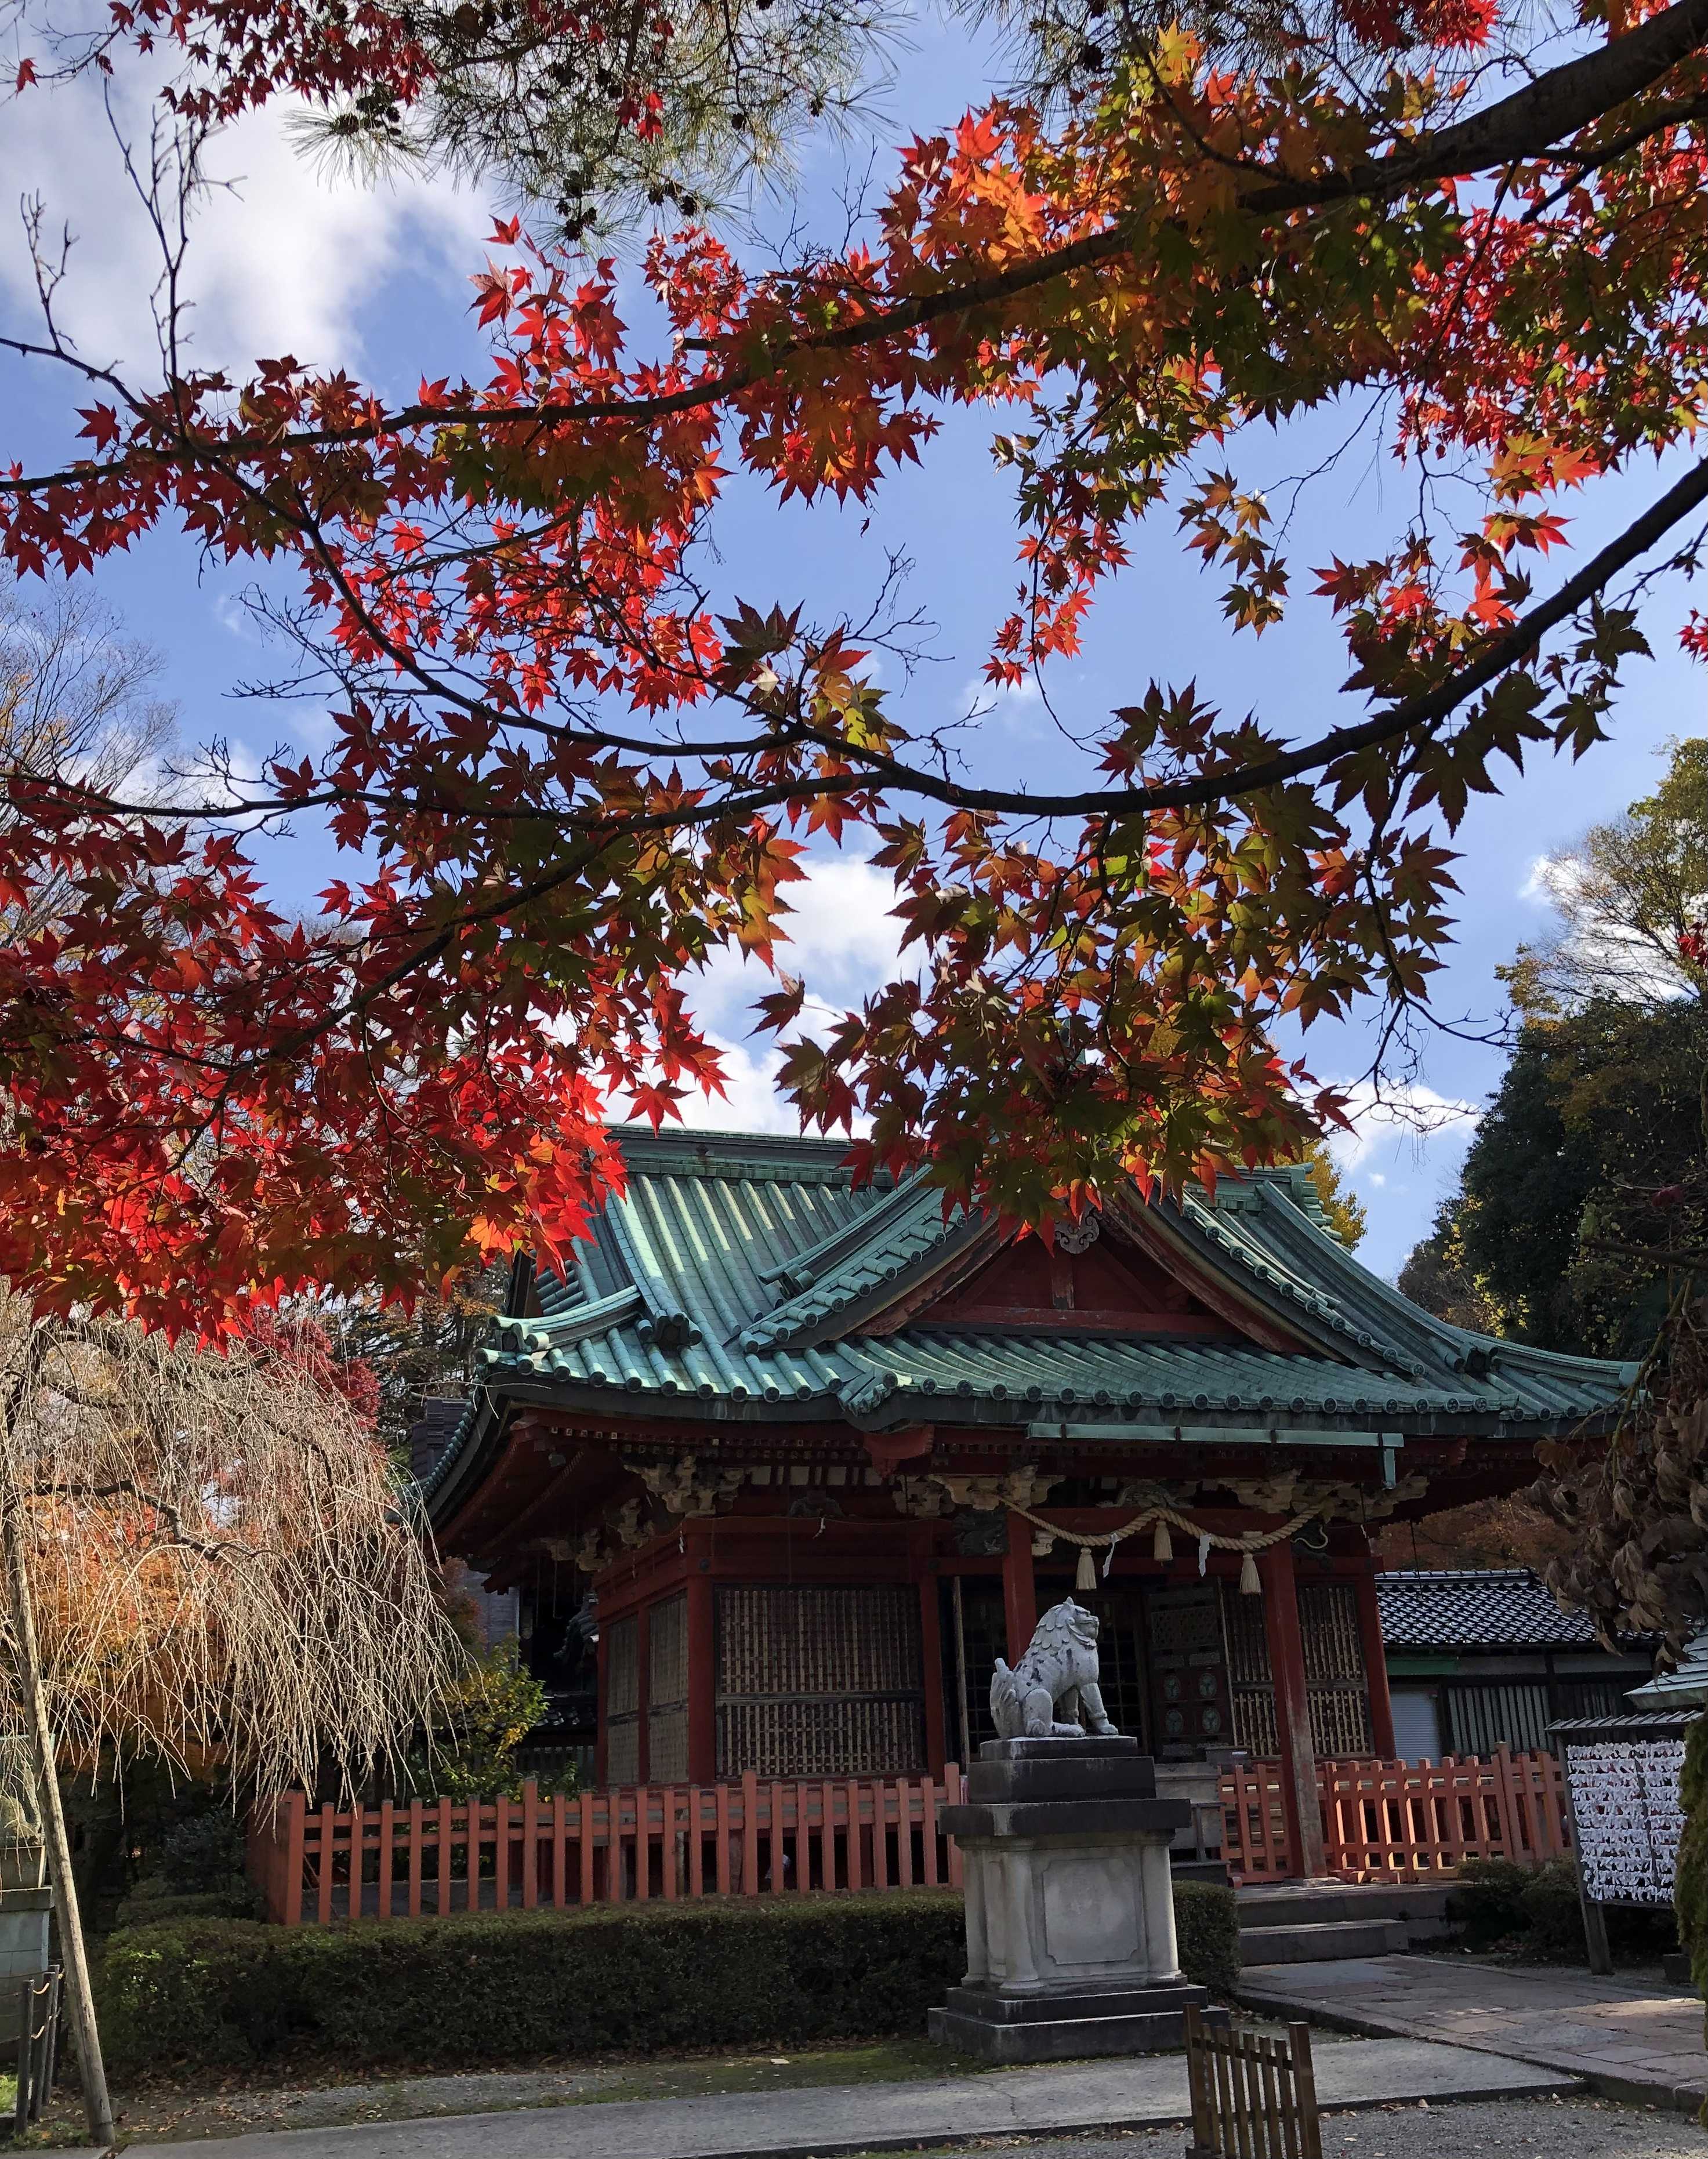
1070 1905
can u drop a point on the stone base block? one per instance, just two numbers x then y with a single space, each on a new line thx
1061 2027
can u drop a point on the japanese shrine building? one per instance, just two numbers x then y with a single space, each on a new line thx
814 1451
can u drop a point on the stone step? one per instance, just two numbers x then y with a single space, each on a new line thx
1422 1905
1064 2039
1323 1942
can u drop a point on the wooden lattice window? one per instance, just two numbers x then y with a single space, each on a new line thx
819 1682
667 1692
1337 1685
1250 1678
622 1704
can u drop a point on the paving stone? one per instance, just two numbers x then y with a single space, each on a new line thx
1631 2039
826 2122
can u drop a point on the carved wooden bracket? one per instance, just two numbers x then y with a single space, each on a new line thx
890 1449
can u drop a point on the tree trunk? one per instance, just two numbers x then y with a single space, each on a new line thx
79 1999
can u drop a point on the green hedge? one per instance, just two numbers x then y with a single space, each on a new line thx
498 1987
151 1902
1207 1920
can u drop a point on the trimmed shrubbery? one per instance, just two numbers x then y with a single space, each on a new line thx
1207 1920
507 1986
1534 1910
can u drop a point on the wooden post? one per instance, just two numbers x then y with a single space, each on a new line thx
1370 1619
1292 1711
702 1678
1305 2090
1202 2124
963 1708
1595 1918
1019 1589
931 1664
80 1998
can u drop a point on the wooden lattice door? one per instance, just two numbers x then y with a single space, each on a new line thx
1191 1711
622 1703
1337 1685
1250 1679
667 1692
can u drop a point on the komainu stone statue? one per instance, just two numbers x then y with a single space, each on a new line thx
1052 1692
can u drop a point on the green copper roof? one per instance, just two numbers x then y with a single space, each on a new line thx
739 1276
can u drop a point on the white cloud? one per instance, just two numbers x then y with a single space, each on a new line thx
841 940
750 1102
1412 1117
280 259
1541 881
1007 704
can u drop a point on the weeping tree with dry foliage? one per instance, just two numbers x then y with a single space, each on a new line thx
204 1551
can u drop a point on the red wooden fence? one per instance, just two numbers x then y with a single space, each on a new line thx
1382 1821
1400 1821
748 1838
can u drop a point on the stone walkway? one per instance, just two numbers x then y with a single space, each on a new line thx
1631 2041
823 2122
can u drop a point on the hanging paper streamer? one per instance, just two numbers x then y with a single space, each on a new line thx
1161 1544
1204 1556
1110 1561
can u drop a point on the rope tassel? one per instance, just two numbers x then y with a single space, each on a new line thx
1249 1585
1085 1574
1161 1544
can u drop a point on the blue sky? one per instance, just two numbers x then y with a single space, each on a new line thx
285 261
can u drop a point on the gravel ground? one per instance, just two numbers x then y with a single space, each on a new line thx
1489 2129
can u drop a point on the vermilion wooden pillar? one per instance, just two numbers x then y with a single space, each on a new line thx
702 1678
1019 1589
931 1664
1292 1709
1369 1620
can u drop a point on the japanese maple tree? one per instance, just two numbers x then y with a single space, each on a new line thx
566 779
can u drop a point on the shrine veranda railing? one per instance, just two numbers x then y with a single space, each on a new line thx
1382 1821
1400 1821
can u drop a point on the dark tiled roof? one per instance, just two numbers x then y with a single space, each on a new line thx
1485 1609
434 1431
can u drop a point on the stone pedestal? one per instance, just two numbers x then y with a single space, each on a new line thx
1069 1906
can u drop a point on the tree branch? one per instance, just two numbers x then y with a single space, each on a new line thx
1514 130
